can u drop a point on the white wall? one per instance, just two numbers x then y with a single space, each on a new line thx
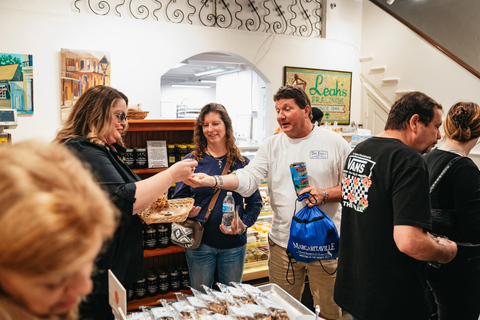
192 97
143 50
240 93
418 64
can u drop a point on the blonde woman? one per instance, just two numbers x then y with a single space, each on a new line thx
50 231
94 130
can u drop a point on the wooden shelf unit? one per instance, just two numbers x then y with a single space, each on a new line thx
163 251
173 132
153 301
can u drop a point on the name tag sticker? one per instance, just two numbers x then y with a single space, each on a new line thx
318 154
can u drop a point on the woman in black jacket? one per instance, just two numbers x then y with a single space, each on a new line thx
94 129
455 200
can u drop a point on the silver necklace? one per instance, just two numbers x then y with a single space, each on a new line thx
219 159
458 152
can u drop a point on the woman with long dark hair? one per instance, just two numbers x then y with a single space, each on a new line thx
221 248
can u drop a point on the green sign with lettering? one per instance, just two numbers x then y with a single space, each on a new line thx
328 90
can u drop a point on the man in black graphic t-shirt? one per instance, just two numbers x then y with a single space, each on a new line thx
385 199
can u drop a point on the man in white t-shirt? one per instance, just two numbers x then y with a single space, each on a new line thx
324 153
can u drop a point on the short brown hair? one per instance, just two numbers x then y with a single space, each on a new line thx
296 93
408 105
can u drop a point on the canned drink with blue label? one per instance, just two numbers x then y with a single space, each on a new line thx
299 175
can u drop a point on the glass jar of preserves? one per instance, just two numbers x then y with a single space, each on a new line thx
140 155
171 191
174 279
129 159
150 237
131 292
141 289
182 151
184 278
152 285
171 150
163 237
163 281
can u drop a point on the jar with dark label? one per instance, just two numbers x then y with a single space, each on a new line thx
184 278
129 159
163 282
152 285
162 235
131 292
174 280
150 237
141 289
140 155
171 191
171 150
182 151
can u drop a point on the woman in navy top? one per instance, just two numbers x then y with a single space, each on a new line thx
222 249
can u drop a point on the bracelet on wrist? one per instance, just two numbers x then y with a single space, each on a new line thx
221 182
325 196
216 182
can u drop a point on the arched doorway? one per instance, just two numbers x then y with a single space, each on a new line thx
222 78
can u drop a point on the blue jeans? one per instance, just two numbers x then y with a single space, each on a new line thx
203 261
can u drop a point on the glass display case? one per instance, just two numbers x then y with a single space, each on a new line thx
256 259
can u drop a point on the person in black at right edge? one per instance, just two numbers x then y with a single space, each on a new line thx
455 199
385 211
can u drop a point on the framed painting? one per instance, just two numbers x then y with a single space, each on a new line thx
16 82
80 70
328 90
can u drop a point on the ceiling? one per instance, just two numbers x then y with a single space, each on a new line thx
184 74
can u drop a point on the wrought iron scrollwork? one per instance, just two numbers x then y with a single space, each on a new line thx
250 22
119 5
294 17
142 10
279 26
102 6
215 16
174 15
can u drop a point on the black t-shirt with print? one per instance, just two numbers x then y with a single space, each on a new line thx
384 183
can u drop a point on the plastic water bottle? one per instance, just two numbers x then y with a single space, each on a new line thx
228 208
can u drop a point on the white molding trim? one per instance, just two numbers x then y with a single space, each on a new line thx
375 94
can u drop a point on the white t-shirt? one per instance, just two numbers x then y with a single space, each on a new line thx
324 153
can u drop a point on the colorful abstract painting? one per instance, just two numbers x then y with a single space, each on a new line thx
80 70
16 82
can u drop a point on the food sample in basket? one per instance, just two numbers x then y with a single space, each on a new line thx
175 210
161 202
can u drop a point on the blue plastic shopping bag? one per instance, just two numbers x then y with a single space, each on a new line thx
313 235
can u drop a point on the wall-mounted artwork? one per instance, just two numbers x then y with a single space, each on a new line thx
80 70
16 82
328 90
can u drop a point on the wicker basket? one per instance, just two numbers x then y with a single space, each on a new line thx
176 211
136 114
